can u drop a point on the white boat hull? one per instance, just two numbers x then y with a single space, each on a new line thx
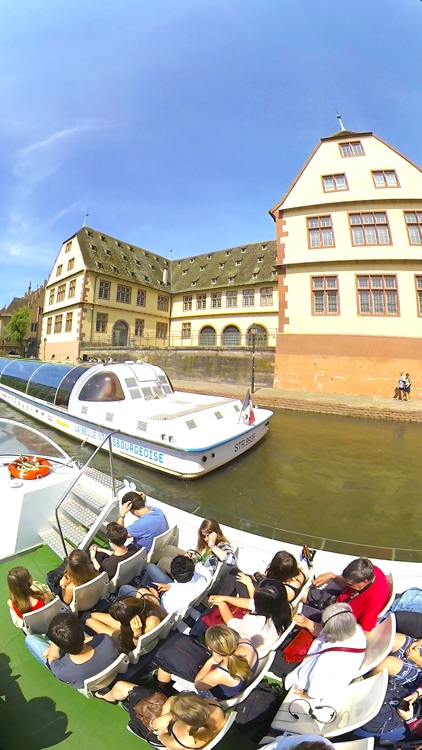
186 463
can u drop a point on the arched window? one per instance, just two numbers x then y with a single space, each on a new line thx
207 336
120 333
261 336
230 336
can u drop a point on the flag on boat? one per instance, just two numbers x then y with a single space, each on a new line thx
247 413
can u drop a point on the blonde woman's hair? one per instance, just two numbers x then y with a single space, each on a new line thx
224 641
195 712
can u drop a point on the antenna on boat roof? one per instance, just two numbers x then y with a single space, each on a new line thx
86 217
340 122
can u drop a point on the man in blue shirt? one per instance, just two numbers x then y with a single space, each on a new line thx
151 522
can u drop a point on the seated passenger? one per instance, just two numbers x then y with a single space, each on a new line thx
212 547
269 613
187 720
127 619
176 596
70 656
333 659
223 668
25 595
283 567
404 664
78 571
151 522
108 560
361 584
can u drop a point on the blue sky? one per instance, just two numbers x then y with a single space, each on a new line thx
179 123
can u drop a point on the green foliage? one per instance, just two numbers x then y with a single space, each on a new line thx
17 328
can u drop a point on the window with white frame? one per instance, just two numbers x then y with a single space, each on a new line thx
414 226
325 298
334 182
139 326
377 294
101 323
248 297
186 330
123 294
266 295
201 301
320 231
351 148
370 228
215 300
104 289
68 323
385 178
231 298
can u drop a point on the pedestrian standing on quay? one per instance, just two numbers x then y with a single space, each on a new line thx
401 386
407 387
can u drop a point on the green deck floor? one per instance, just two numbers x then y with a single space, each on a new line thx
38 711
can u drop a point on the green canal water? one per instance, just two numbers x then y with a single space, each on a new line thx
348 485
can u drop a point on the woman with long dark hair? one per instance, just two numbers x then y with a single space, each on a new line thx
268 617
128 619
283 568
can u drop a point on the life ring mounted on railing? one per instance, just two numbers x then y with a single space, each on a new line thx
29 467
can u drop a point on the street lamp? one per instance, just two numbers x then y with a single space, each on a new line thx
253 330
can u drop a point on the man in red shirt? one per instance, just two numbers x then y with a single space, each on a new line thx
363 586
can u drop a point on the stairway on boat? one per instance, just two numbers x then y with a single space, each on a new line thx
84 513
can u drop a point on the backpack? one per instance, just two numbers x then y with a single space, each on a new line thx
260 706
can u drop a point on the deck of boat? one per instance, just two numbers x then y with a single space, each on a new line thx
38 711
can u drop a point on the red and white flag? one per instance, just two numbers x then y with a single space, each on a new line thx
247 413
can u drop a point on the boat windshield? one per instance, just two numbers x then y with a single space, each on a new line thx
48 381
17 439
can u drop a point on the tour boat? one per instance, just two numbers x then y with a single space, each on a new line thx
184 434
68 507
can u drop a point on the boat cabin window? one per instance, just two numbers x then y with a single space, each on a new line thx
154 391
104 386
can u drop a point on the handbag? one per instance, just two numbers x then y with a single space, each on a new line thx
298 647
148 709
213 617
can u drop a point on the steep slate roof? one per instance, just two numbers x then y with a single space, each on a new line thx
16 304
113 257
345 134
237 263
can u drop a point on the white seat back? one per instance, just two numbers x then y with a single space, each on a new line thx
230 719
363 701
379 643
106 677
264 665
171 536
391 597
128 569
148 641
366 743
38 621
87 595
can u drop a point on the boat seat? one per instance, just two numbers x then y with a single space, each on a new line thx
171 536
128 569
148 641
379 643
87 595
37 622
106 677
363 701
391 597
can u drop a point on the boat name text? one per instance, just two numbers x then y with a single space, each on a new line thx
243 443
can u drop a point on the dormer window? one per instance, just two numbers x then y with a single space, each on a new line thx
119 244
185 270
228 252
124 258
93 247
243 249
133 274
102 238
202 268
221 265
231 278
179 262
99 265
107 252
264 247
130 249
254 275
214 281
114 269
192 260
238 263
260 259
209 257
193 283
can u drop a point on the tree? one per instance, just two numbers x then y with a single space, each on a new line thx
17 328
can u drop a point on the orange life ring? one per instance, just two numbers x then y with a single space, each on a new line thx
29 467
